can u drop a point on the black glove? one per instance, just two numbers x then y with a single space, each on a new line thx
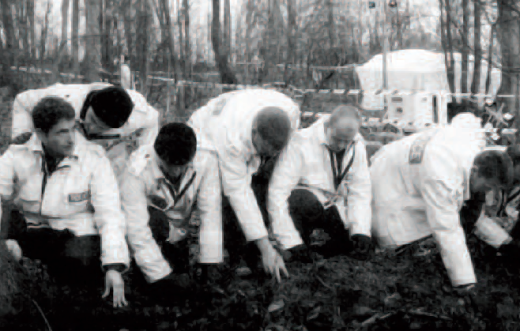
510 252
298 253
172 288
362 246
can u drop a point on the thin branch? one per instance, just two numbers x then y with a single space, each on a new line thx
43 315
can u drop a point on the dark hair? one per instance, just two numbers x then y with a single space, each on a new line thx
112 105
176 144
496 166
49 111
273 126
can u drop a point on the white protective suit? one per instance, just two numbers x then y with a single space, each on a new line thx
419 185
225 125
141 128
307 161
144 185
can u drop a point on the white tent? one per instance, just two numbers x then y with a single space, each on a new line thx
417 70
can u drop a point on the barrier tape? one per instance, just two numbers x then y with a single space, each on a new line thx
282 85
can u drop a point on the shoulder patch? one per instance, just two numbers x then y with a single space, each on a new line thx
22 139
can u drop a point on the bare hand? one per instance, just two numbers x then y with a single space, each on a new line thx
114 281
273 263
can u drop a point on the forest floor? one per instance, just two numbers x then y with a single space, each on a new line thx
407 291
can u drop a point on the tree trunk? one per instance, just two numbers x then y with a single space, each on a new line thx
447 44
509 38
181 37
24 30
226 74
270 42
226 38
143 24
490 56
475 86
187 47
43 38
465 51
10 39
75 34
128 24
93 50
249 27
171 39
330 23
64 21
291 42
30 14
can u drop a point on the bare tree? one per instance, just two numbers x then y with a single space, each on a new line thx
9 33
226 36
30 15
75 34
64 21
143 42
509 37
128 26
43 38
447 43
187 47
226 74
490 55
93 37
475 85
465 51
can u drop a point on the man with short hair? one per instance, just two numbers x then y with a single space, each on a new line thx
322 181
421 183
60 202
160 187
118 119
247 129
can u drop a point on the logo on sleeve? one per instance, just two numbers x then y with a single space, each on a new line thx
79 197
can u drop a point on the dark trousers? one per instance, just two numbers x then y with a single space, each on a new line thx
70 259
234 239
178 254
309 214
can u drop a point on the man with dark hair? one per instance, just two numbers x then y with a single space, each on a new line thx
323 170
116 118
421 183
60 202
160 187
247 128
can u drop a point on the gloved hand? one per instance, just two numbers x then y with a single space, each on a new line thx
362 247
298 253
465 290
172 288
510 251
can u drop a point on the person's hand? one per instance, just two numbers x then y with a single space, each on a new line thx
114 281
362 246
271 259
14 249
298 253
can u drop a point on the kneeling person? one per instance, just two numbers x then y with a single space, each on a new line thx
159 189
322 181
61 202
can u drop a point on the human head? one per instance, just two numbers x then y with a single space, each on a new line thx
514 153
54 122
342 126
108 108
491 170
271 130
175 146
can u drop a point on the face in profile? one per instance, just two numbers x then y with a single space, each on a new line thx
59 141
93 124
262 147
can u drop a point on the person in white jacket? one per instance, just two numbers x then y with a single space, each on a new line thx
247 129
322 181
160 187
118 119
60 203
420 184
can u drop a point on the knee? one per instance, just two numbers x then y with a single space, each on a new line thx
304 202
